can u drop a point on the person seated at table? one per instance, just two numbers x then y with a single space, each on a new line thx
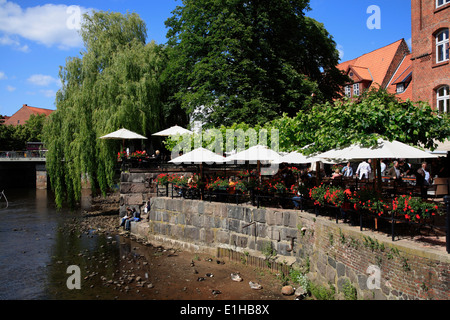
336 174
395 172
231 185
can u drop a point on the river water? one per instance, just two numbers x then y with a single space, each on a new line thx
36 250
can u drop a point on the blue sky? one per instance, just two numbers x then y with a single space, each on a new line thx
37 36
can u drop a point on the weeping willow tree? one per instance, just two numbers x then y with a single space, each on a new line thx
115 83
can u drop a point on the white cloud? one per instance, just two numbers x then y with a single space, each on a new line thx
14 42
48 93
42 80
49 24
340 49
3 76
11 88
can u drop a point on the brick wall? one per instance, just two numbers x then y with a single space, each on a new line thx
427 75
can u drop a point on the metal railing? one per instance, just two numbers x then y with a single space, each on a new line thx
17 155
285 201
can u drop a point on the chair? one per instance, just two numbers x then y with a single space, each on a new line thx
439 188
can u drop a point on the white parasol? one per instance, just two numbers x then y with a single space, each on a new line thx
172 131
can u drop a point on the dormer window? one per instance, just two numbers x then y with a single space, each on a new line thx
400 87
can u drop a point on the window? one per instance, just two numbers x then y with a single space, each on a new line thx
442 44
443 99
348 91
440 3
400 87
356 89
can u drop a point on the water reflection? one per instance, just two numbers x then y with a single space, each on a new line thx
37 247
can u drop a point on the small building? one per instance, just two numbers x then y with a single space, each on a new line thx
375 69
22 116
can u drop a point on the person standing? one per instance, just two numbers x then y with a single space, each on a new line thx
347 171
423 179
395 171
363 170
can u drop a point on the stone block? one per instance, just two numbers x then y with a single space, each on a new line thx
242 241
124 177
341 269
282 248
137 177
197 220
192 233
125 187
181 219
139 188
261 230
290 219
274 233
288 233
235 212
165 216
220 210
133 199
174 205
234 225
208 208
274 218
259 215
223 237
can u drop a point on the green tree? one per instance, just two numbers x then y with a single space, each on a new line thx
115 83
374 114
250 61
15 138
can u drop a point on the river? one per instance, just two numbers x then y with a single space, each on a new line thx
38 245
36 250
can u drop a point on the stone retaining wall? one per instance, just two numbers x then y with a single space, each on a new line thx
335 254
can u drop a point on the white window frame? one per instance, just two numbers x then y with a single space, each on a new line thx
356 89
444 98
442 45
444 2
348 91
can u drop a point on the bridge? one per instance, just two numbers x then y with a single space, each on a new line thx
23 168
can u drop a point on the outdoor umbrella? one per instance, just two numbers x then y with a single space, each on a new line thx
199 156
256 153
123 134
172 131
298 158
384 150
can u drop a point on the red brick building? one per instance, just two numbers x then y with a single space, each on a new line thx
430 52
388 67
22 116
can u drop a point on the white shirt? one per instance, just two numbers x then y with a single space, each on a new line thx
363 169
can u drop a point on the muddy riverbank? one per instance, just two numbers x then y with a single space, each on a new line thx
149 272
